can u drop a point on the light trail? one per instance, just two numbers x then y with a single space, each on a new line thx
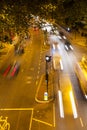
61 65
61 104
73 105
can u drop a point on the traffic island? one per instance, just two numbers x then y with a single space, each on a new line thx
44 94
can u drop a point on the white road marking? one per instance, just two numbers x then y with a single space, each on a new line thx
81 122
29 77
43 122
61 104
28 82
73 105
61 65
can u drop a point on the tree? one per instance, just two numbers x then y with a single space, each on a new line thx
16 14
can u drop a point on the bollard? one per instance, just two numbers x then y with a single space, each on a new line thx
45 96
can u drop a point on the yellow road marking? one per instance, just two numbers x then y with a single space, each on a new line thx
81 122
53 114
16 109
31 120
43 122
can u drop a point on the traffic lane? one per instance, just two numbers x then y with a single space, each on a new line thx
20 93
13 89
68 120
69 123
81 101
68 64
43 116
79 97
17 118
27 77
69 68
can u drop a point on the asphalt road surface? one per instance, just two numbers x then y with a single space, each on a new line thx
17 95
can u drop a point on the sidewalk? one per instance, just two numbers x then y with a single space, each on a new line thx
76 38
4 53
42 88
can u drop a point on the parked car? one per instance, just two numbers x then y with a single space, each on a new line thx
19 49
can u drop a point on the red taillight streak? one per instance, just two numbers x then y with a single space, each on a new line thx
7 70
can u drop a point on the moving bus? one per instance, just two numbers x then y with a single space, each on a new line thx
82 77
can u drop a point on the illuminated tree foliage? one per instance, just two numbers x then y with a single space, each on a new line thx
16 14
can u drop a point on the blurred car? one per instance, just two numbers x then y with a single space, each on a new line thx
59 37
68 46
35 28
15 66
15 69
11 70
57 62
19 49
62 35
6 71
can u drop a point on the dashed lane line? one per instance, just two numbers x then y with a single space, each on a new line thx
81 122
29 78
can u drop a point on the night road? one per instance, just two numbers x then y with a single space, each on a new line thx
18 93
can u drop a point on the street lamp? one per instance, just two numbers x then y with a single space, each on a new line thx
48 59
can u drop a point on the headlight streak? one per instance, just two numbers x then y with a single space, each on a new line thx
61 104
71 47
61 65
73 105
66 48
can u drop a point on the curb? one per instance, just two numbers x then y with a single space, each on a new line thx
41 100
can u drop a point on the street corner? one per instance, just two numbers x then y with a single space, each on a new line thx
44 93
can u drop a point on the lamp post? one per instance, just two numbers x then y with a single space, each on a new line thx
48 59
